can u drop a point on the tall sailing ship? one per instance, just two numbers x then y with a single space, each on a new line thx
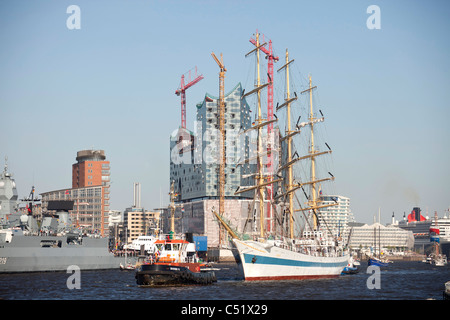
280 255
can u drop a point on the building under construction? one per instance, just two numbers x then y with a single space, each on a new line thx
194 156
195 161
209 165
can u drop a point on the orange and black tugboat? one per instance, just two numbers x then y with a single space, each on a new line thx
174 263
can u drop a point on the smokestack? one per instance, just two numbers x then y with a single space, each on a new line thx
137 195
417 213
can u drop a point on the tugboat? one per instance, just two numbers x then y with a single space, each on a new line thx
174 262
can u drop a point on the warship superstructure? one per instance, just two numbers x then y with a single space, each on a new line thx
51 246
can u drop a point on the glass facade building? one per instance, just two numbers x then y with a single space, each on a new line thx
194 156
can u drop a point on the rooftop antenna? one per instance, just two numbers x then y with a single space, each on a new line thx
5 170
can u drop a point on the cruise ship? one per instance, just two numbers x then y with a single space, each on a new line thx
420 227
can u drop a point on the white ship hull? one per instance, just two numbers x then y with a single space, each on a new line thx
262 261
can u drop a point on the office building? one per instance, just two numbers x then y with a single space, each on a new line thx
88 208
140 222
336 218
92 169
90 192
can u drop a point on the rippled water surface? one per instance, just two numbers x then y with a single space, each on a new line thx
401 280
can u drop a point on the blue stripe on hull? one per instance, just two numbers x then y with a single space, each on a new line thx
250 258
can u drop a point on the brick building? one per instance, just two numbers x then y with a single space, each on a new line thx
90 191
92 169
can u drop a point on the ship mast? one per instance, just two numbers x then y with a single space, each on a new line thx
312 152
436 244
289 155
313 202
260 184
290 176
289 134
260 165
172 208
271 58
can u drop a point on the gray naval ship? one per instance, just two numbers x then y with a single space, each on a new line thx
54 246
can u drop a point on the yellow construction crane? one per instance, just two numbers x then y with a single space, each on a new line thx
222 135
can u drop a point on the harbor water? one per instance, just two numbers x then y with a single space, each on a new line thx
400 281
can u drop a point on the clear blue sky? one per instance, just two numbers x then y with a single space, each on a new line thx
111 85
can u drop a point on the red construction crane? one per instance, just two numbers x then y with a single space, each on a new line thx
182 91
270 60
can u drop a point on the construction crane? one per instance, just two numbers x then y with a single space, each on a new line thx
182 91
271 58
222 135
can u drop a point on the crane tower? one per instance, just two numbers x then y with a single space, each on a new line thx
182 91
222 137
271 58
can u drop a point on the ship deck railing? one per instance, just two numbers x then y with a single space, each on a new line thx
309 250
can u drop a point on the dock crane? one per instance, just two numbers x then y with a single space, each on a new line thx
222 135
182 91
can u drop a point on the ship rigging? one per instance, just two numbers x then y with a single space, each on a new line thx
279 255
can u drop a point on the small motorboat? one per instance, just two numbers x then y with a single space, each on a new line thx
446 293
439 260
352 267
127 266
378 262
